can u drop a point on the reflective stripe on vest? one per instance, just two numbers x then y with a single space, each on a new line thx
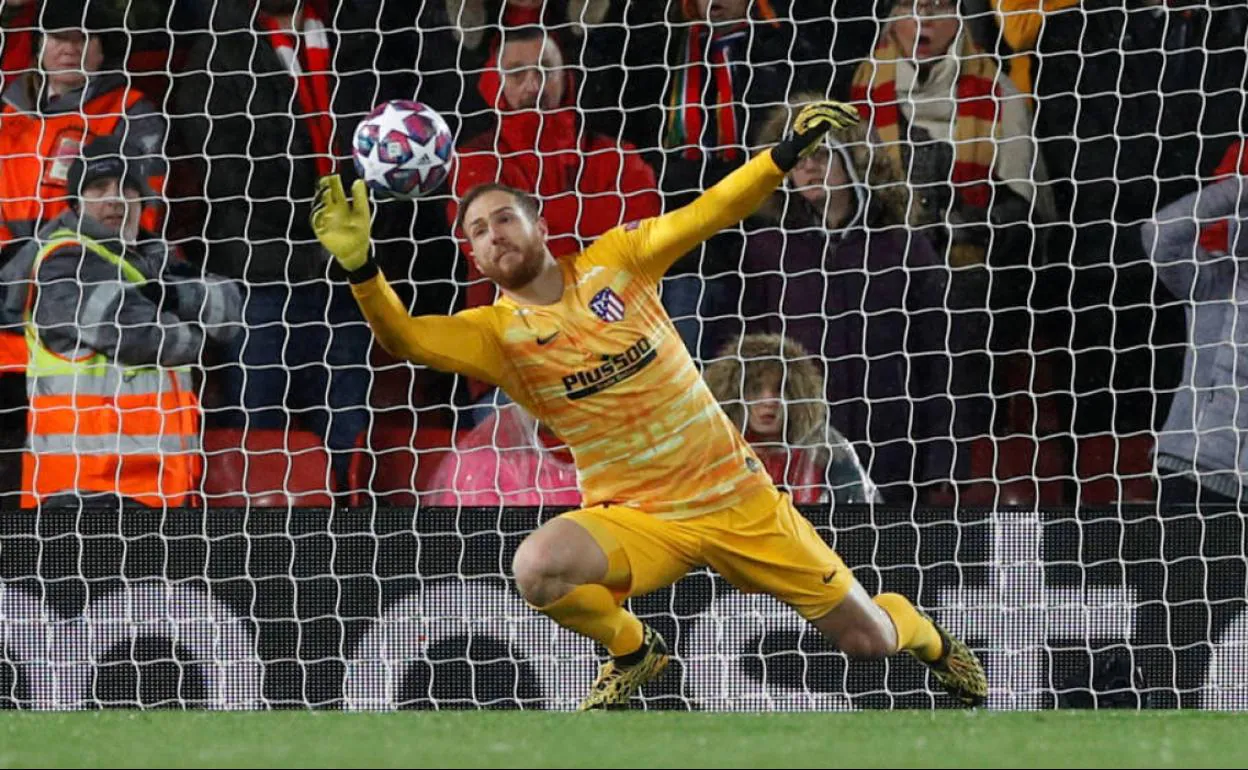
96 426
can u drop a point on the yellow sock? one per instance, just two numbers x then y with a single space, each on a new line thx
590 610
914 632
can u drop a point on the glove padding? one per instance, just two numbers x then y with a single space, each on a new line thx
812 122
341 225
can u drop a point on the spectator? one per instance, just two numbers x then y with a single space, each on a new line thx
49 112
938 105
694 92
700 85
508 459
114 323
75 95
773 392
833 267
430 49
1131 112
587 182
259 112
18 19
1200 450
1135 102
480 26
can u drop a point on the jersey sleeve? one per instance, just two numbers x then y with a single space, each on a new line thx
465 343
650 247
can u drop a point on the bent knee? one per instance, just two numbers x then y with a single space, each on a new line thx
550 564
536 574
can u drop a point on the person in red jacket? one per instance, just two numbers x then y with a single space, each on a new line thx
588 183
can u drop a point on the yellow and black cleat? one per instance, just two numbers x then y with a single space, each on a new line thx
959 671
616 684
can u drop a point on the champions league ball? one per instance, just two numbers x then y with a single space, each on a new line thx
403 149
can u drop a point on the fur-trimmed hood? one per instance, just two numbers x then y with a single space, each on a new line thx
741 367
879 185
471 18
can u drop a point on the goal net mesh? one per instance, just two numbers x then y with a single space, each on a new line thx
956 334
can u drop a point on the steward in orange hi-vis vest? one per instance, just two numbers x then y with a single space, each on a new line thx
113 325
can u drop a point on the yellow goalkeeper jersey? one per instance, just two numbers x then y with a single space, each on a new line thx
603 367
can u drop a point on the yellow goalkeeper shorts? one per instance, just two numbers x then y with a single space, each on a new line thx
763 545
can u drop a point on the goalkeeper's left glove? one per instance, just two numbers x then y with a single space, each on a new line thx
341 225
812 122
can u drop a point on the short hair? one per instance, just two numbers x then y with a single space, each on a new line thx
527 32
524 201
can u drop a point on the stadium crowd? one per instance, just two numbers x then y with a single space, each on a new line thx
1014 282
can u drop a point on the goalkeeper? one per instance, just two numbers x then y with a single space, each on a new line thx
669 482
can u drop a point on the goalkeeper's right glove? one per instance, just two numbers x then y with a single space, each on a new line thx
812 122
341 225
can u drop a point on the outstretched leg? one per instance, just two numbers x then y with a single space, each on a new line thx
562 572
865 628
578 579
767 546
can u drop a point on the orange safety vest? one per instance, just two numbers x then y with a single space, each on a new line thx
13 353
38 149
95 426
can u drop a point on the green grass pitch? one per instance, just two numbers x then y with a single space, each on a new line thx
632 740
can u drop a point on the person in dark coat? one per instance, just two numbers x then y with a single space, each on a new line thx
269 104
834 269
693 91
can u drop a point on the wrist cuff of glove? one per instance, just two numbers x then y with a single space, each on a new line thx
364 273
789 150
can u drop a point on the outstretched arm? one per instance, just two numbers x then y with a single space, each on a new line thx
465 343
657 243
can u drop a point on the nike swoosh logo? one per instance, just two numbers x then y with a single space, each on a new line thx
828 577
544 340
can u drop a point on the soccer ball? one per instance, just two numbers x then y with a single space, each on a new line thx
403 148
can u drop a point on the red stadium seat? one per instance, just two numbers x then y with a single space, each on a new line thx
1115 469
397 463
1016 471
265 468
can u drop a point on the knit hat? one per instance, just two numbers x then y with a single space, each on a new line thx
103 159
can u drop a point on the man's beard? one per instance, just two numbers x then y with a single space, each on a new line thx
522 275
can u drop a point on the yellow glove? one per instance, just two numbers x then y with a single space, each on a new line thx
812 122
341 225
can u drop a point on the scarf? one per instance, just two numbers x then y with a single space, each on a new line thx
309 59
702 89
978 114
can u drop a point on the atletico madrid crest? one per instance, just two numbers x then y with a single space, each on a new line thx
608 306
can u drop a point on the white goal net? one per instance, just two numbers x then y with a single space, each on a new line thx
988 340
